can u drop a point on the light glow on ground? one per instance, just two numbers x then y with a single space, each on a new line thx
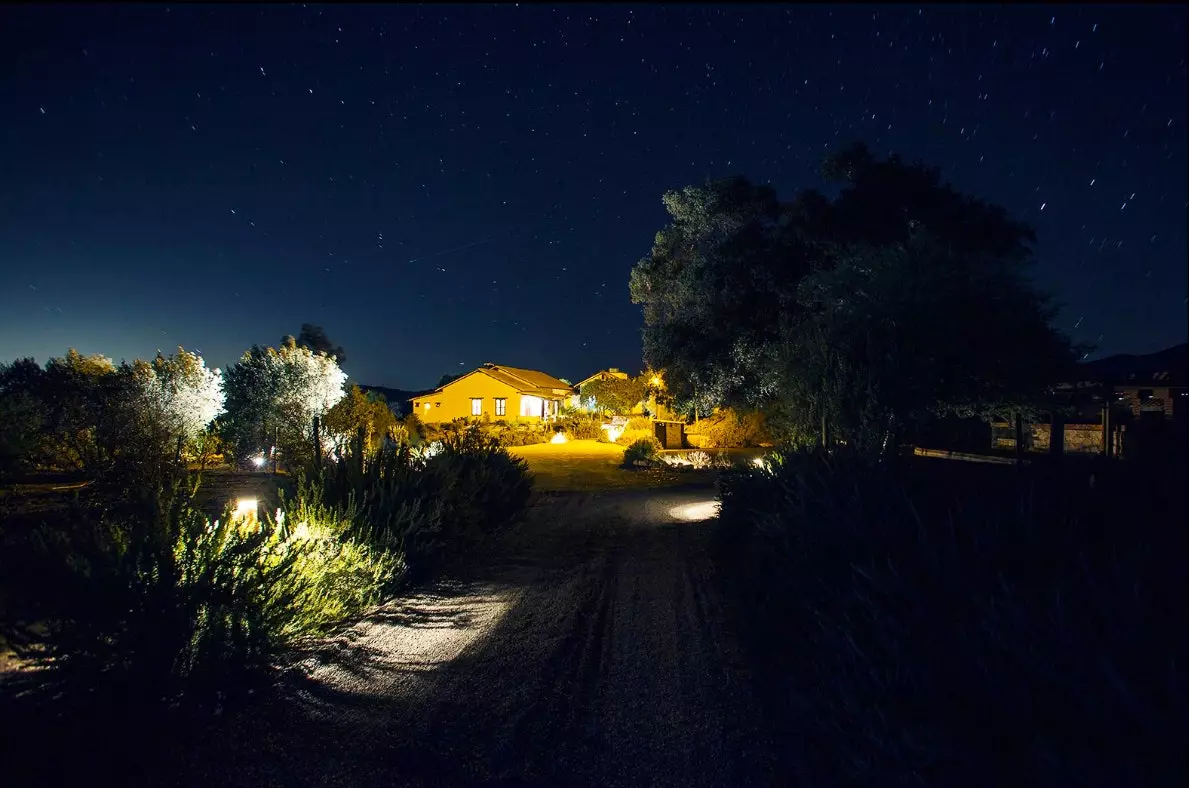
695 512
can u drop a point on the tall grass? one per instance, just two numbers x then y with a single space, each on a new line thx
964 631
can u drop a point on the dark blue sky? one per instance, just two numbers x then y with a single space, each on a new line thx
440 186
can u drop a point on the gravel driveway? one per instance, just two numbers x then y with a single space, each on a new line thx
587 647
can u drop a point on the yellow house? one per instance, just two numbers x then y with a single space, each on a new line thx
495 392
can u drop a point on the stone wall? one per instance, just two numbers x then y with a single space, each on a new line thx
1078 437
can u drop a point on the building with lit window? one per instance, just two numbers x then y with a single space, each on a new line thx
495 392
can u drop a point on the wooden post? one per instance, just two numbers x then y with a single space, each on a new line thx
1107 428
1019 420
1056 434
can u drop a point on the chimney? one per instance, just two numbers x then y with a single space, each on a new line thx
613 369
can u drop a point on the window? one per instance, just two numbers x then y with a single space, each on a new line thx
437 404
476 406
501 406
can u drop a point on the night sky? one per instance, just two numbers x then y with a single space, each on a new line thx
440 186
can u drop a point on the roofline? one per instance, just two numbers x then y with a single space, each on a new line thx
580 383
526 387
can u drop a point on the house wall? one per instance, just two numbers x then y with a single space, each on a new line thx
455 400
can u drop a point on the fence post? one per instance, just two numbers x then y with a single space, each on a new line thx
1019 424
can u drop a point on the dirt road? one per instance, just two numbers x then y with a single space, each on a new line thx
587 648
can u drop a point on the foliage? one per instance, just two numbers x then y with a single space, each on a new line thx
181 391
278 391
510 433
358 411
314 338
1004 631
614 395
870 310
639 423
22 425
173 606
734 428
629 436
643 450
429 505
66 402
581 426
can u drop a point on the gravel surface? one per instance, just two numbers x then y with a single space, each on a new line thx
587 647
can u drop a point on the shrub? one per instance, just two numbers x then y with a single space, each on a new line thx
430 504
700 460
581 426
177 607
730 429
1023 637
628 437
642 423
645 449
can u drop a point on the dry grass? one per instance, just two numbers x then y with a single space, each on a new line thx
588 465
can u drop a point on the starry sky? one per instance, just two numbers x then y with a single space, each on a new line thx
441 186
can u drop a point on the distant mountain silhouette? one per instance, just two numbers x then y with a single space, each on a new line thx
398 399
1169 366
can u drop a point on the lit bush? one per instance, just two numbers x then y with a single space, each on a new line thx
628 437
180 608
1019 636
700 460
434 502
730 429
644 450
580 426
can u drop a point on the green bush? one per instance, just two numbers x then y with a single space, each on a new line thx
645 449
581 426
731 429
429 504
1014 633
628 437
176 607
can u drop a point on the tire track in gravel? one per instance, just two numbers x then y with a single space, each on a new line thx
588 647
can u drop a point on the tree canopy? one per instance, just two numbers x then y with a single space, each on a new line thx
278 391
614 395
897 299
314 338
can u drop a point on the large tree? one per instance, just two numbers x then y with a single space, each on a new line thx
614 395
278 392
897 299
314 337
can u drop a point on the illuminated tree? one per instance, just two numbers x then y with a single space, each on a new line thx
614 395
278 392
181 389
356 411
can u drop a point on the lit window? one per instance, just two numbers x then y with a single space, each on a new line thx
426 405
501 406
476 406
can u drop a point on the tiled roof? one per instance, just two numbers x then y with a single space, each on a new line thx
525 379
